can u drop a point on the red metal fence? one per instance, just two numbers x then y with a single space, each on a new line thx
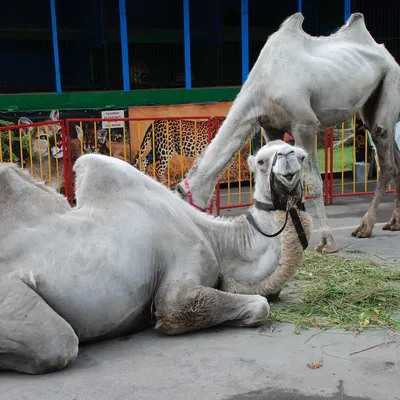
166 148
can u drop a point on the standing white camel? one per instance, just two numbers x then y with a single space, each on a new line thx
302 84
132 250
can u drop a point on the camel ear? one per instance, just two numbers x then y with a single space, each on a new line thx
251 161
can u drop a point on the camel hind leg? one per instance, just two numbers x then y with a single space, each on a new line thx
380 113
34 339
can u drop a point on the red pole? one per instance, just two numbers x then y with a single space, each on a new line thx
69 165
326 189
331 169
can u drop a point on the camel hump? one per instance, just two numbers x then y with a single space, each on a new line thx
356 25
355 21
355 17
295 21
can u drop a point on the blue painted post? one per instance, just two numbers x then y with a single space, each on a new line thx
186 41
245 39
55 45
347 10
124 46
300 6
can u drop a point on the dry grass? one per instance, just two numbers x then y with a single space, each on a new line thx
335 292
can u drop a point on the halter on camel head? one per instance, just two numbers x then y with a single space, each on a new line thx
287 202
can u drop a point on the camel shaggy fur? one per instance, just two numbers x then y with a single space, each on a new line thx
134 254
303 84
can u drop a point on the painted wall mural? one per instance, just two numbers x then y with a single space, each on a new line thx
166 140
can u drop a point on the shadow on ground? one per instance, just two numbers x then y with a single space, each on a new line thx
278 394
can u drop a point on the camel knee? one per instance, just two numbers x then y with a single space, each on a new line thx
314 183
40 352
55 353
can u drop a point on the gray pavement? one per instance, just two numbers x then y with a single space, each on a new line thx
261 363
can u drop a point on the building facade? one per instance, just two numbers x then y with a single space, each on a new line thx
59 54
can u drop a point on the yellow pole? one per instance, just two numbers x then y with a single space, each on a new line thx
240 178
48 154
30 152
57 170
354 153
95 136
342 157
40 154
229 185
10 150
1 146
251 177
124 136
366 160
80 127
21 158
109 137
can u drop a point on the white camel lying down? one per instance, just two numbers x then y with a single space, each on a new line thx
132 250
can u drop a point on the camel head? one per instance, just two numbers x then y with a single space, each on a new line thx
278 170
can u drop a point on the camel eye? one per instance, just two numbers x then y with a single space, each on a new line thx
260 162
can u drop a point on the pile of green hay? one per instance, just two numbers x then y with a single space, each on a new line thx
330 291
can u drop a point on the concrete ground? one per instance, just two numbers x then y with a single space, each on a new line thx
264 363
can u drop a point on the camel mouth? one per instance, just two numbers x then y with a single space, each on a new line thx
289 177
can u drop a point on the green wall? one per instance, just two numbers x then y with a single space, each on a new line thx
85 100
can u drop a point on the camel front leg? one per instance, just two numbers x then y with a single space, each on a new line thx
381 139
327 243
197 307
304 135
34 339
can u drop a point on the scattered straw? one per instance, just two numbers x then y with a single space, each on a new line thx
336 292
